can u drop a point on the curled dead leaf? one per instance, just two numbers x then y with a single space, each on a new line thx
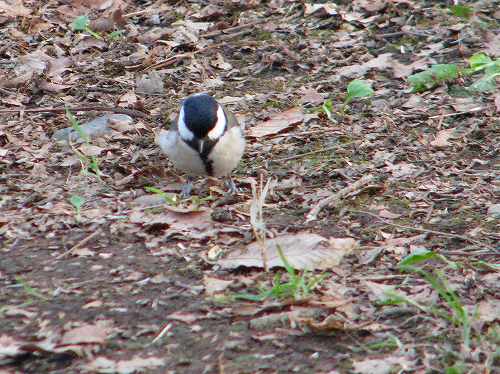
277 123
302 250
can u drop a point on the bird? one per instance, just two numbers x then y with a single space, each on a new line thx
204 140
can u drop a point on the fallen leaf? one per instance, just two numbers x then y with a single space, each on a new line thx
14 8
311 96
85 334
186 317
215 285
404 170
134 365
150 84
381 62
301 250
371 5
493 44
442 137
320 10
497 102
90 150
83 252
277 123
385 365
93 304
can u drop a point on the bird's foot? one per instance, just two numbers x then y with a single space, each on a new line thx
231 187
187 189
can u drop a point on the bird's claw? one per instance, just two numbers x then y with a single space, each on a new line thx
186 190
231 187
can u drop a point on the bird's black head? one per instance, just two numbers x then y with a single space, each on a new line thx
200 114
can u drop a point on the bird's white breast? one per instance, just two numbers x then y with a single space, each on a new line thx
228 151
182 155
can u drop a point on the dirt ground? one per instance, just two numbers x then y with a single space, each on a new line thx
103 269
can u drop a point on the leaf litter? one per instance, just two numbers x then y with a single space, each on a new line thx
354 191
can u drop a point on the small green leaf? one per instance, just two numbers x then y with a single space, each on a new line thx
430 78
462 11
328 109
115 35
80 23
358 89
418 256
77 201
443 72
154 190
479 61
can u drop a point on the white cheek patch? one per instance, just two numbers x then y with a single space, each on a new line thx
220 125
184 132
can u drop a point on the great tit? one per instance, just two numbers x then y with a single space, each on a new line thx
204 140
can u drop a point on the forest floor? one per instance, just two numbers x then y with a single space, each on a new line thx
391 201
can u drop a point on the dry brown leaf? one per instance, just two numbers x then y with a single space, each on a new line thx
301 250
134 365
277 123
493 44
9 348
329 324
83 252
85 334
215 285
186 317
13 8
320 10
497 102
489 310
381 62
385 365
311 96
442 137
371 5
404 170
93 304
379 290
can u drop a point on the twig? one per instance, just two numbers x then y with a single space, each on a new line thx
130 112
163 331
229 30
172 60
455 236
305 154
472 110
79 244
257 217
336 197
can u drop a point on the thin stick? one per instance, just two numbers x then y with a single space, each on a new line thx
79 244
229 30
473 110
131 112
336 197
441 233
163 331
305 154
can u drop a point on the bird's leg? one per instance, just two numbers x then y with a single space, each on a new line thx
187 188
231 187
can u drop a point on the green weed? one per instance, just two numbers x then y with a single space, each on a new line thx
88 163
458 315
77 202
82 23
442 73
298 286
356 89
